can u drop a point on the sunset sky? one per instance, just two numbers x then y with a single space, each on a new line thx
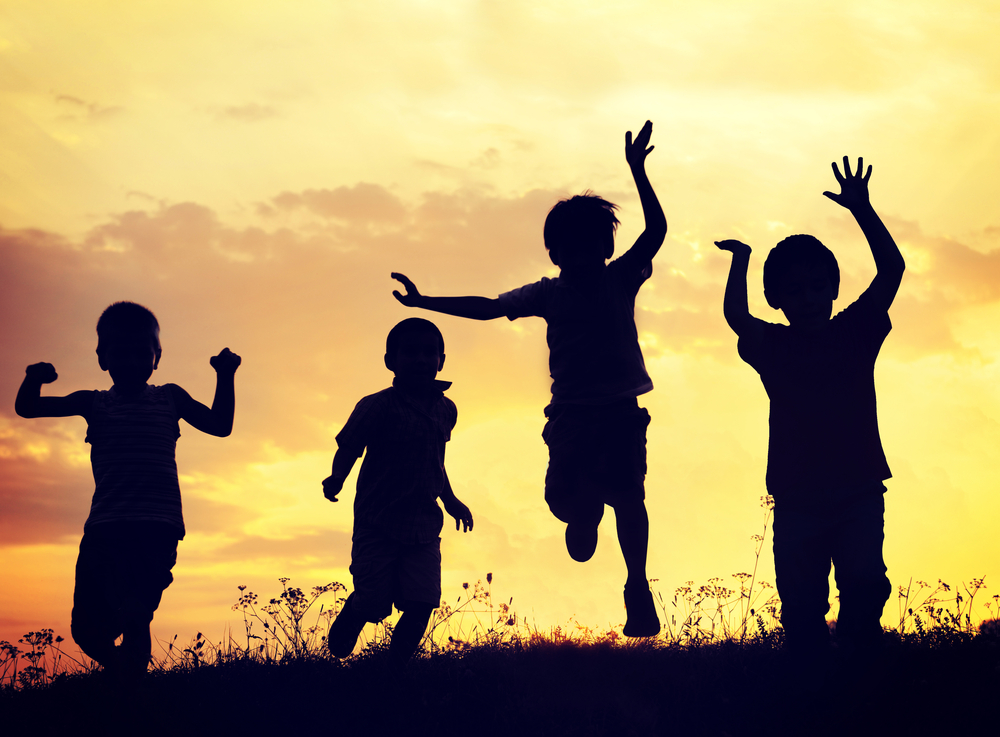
252 171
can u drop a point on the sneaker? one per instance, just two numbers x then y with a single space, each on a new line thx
581 540
642 620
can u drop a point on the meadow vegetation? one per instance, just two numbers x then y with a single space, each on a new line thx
716 667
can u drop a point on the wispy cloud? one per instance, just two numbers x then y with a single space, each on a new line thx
251 112
78 109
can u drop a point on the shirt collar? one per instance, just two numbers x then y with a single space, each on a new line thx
437 385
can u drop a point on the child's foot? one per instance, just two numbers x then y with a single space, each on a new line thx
642 620
581 540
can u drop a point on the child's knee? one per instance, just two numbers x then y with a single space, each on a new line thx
370 609
416 609
874 588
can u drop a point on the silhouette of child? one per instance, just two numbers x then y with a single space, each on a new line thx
396 552
130 539
596 432
825 464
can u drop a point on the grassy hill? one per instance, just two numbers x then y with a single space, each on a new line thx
539 688
717 669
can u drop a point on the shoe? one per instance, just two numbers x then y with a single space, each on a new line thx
581 541
642 620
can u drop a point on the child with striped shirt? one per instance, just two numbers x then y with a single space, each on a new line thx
130 539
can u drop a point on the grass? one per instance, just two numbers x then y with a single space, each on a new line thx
716 669
513 680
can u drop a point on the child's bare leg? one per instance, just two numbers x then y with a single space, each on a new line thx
96 620
137 643
633 536
409 631
345 630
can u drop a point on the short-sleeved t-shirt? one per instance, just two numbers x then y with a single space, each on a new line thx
823 422
402 474
132 453
594 353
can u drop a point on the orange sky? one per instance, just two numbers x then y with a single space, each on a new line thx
253 171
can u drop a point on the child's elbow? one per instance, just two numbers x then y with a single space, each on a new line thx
491 309
220 429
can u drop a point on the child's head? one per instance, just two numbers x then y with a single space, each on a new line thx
128 344
802 279
414 350
581 230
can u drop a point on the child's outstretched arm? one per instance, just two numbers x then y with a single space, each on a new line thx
735 306
649 242
218 420
461 513
31 403
474 308
889 262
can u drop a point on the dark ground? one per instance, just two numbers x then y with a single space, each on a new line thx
543 689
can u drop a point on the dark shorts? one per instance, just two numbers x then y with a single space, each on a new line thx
597 456
388 572
121 573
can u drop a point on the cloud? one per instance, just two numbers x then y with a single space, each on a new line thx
323 547
81 110
686 331
47 482
363 202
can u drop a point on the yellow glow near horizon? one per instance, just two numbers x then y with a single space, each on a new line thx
254 173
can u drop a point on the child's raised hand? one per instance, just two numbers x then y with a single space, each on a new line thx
461 513
226 362
43 373
853 187
636 151
412 295
734 247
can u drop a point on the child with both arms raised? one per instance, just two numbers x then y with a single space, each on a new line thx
130 538
596 432
396 550
825 463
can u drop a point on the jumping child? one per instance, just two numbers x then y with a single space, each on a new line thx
596 431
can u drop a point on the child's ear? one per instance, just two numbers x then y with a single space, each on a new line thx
156 363
100 361
609 248
553 257
772 299
441 362
836 291
390 362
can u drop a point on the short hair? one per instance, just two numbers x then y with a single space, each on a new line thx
411 326
799 250
128 317
571 220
